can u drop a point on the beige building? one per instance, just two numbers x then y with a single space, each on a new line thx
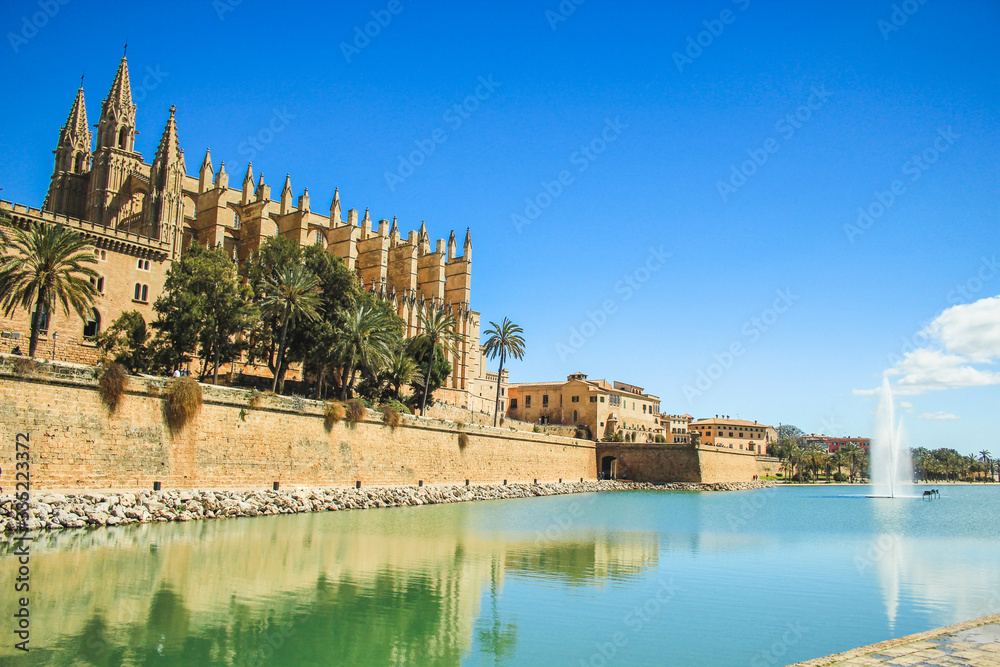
141 216
675 428
606 409
733 434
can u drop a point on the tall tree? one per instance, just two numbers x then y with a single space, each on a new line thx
290 297
401 370
43 265
438 329
504 339
204 305
364 343
126 342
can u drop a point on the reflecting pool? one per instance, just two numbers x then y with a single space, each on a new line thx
764 577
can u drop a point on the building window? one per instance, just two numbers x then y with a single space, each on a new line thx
576 417
43 318
527 401
602 399
513 404
545 400
319 237
236 221
93 324
98 283
141 292
142 264
122 138
574 399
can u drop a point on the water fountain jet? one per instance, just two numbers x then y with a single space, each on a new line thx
891 466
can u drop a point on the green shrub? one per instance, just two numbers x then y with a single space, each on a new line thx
391 416
463 440
112 384
839 477
364 401
181 401
536 429
356 410
400 408
333 412
581 434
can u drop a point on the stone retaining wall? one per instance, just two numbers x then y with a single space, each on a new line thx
76 444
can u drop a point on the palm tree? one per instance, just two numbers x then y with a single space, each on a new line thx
46 264
400 371
504 339
987 460
438 329
364 342
289 297
853 454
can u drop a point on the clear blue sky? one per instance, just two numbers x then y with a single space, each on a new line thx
663 131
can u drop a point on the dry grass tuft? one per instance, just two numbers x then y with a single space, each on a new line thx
333 412
356 411
391 416
26 367
463 440
181 401
112 384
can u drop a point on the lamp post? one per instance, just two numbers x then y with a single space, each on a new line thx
55 337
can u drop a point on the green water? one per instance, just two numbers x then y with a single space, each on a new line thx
631 578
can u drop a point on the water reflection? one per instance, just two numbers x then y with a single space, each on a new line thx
395 587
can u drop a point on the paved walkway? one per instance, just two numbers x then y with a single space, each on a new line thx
974 642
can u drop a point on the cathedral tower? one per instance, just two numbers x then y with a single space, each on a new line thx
68 189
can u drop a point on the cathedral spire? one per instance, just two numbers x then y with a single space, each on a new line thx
452 246
116 128
467 248
248 184
335 218
222 178
169 150
206 173
286 195
73 151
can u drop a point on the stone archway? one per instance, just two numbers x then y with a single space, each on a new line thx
609 468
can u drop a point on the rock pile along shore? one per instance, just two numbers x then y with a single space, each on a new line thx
53 511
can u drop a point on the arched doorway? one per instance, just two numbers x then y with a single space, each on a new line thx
609 468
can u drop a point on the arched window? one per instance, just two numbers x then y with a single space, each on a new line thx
141 292
319 237
145 292
98 283
78 165
576 417
93 324
122 138
43 320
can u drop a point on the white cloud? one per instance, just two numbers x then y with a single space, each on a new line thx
938 416
971 330
962 340
906 404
